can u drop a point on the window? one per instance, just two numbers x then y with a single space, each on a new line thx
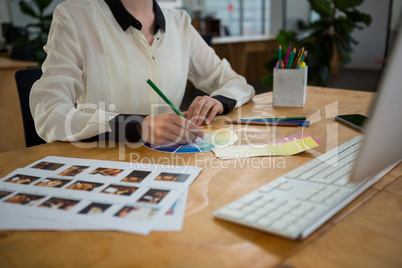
241 17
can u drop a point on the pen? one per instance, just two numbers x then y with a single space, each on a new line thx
261 123
175 109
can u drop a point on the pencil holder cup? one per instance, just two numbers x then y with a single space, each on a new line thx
290 87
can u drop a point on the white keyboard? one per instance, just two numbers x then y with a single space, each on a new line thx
297 203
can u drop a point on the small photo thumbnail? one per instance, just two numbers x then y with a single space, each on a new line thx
153 196
73 170
174 177
4 194
48 165
22 179
59 203
110 172
136 213
84 186
94 208
52 182
25 199
136 176
119 190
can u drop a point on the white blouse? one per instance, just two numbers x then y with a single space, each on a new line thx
92 62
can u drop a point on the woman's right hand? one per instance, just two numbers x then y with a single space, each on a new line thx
169 129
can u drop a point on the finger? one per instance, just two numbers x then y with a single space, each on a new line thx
214 111
203 113
197 109
189 125
183 135
192 106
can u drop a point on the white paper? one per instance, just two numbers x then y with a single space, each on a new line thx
100 194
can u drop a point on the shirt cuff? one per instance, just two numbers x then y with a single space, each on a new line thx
125 127
228 103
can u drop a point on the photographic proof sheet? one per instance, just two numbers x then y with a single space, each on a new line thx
73 193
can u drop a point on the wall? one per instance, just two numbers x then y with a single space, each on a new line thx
4 15
372 40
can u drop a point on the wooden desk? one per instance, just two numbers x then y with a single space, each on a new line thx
11 127
246 54
365 233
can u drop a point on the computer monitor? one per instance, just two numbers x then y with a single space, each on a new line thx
382 144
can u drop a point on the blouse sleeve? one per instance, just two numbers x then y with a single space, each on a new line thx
215 76
53 97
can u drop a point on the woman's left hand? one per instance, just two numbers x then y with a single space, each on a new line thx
204 109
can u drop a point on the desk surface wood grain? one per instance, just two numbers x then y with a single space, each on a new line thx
208 242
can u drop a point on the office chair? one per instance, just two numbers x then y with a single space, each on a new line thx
25 79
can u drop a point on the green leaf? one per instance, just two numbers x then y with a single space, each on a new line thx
357 16
27 9
42 4
322 7
346 4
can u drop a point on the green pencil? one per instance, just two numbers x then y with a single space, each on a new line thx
175 109
290 62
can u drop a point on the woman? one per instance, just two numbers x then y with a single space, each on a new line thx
100 53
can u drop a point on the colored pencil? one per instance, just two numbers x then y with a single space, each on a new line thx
290 62
299 55
276 118
287 54
262 123
280 56
157 90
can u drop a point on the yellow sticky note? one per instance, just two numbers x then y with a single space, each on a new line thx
257 151
290 148
307 143
273 149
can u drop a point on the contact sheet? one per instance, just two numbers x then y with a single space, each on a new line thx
70 193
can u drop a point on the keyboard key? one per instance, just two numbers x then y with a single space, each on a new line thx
342 181
235 206
257 204
249 198
318 198
231 214
251 219
278 226
270 206
279 201
273 184
264 222
248 209
275 214
265 189
326 180
285 187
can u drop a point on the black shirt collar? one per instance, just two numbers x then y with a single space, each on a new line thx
125 19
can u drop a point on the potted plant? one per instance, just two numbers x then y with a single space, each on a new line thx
326 39
35 34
